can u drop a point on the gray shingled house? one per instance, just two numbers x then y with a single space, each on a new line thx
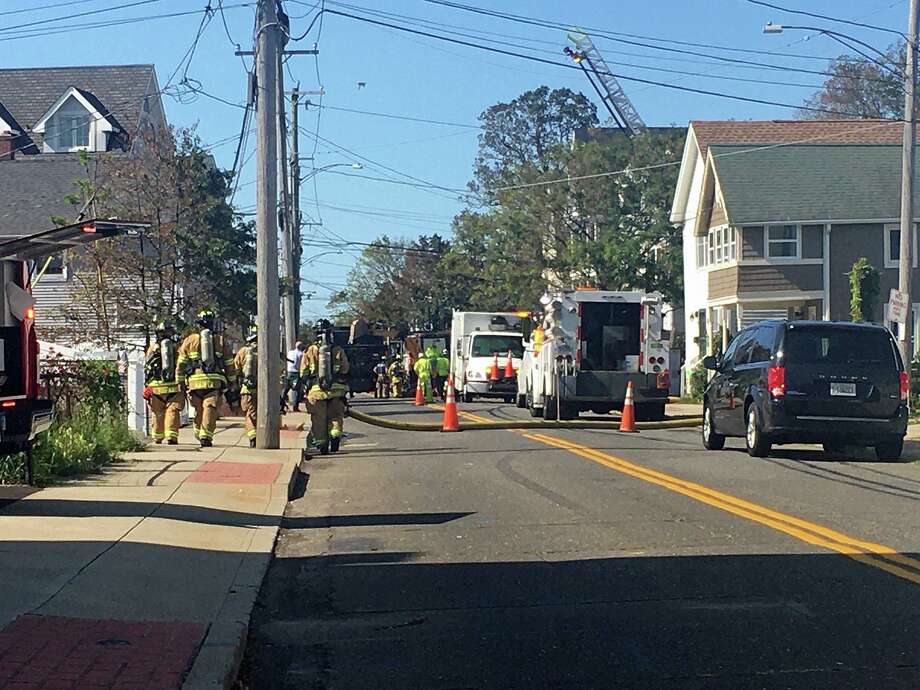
48 116
791 220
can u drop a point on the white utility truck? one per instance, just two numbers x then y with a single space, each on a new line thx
476 338
588 345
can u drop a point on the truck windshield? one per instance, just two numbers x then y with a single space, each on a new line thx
838 346
488 345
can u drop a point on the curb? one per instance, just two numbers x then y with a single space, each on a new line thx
217 663
681 423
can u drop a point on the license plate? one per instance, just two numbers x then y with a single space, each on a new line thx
847 389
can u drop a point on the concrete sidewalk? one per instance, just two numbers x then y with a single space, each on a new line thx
144 576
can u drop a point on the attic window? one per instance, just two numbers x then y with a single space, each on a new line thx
68 128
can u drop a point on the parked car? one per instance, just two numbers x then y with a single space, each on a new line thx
834 383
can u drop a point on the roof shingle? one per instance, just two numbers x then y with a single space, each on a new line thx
28 93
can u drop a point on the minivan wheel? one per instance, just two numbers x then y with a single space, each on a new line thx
758 444
711 440
890 451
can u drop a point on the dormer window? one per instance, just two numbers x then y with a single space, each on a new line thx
77 121
68 128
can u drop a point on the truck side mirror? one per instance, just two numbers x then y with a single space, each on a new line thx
527 329
710 362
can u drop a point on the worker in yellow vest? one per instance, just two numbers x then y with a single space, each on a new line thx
205 365
162 390
246 365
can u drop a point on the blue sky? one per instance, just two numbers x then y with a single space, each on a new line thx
425 78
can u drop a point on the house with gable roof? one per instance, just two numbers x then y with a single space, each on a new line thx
54 122
774 215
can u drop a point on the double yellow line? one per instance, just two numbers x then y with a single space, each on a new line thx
869 553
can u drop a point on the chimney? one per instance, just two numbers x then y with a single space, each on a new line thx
7 146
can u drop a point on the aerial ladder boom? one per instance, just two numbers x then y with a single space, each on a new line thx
621 109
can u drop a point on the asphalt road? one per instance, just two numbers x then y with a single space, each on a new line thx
568 559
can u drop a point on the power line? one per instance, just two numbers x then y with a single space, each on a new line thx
616 36
78 15
393 116
623 77
45 7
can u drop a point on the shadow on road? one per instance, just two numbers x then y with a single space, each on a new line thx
379 620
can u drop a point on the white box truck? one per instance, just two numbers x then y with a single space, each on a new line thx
588 346
476 338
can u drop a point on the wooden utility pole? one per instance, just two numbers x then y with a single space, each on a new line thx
296 249
268 417
287 248
908 146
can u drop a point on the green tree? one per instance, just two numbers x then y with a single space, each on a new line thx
195 253
859 87
864 290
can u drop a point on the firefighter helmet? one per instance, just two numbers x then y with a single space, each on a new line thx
253 334
206 319
165 327
322 326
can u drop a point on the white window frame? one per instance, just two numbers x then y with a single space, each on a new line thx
767 241
718 247
886 236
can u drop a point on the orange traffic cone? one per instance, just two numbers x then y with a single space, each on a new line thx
419 394
493 376
509 367
628 420
451 423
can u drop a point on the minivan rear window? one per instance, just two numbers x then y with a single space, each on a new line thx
839 346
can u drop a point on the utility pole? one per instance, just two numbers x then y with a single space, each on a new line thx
268 417
287 247
908 147
296 249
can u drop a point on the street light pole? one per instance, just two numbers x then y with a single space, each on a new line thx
908 157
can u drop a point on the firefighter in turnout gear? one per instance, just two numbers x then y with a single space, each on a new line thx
163 391
397 376
246 365
325 372
205 365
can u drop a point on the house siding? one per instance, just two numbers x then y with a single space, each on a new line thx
812 241
723 283
752 242
780 277
849 242
717 217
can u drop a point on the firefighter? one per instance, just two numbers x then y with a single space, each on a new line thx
163 391
325 372
397 375
246 365
381 389
423 371
205 365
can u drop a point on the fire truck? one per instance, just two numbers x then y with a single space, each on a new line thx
594 343
24 412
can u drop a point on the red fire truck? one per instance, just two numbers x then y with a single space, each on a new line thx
24 413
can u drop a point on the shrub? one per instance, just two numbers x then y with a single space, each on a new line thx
90 429
699 378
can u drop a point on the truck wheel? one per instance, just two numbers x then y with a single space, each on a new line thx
549 408
467 397
534 411
568 411
649 412
521 401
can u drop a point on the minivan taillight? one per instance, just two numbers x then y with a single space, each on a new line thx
776 381
905 386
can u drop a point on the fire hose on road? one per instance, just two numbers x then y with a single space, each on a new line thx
676 423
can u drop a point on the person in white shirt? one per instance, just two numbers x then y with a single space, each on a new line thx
292 375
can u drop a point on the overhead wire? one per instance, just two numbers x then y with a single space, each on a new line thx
534 58
839 20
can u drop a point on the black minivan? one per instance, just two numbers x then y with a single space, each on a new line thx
829 382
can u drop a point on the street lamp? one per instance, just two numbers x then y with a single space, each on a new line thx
907 158
841 38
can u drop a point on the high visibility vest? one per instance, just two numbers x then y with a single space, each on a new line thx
423 368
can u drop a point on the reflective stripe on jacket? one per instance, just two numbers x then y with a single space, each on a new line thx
189 356
158 386
309 368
